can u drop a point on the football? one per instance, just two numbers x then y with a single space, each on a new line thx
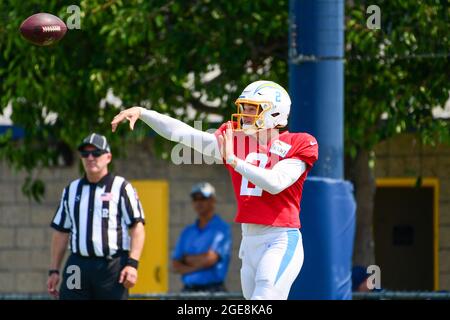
43 29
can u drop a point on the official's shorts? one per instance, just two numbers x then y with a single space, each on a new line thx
271 260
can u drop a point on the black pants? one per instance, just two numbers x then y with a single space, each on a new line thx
93 278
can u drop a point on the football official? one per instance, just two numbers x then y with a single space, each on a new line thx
101 219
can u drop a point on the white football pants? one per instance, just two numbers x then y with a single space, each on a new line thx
271 260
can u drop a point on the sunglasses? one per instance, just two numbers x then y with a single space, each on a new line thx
199 198
95 153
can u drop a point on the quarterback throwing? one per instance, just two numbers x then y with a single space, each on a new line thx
268 166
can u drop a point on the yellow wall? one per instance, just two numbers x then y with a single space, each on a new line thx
153 265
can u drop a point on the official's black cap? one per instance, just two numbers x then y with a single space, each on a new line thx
95 140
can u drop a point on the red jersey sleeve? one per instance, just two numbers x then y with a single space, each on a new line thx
305 148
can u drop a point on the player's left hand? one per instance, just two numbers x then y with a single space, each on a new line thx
128 277
226 142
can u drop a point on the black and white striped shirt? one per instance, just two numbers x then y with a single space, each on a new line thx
98 215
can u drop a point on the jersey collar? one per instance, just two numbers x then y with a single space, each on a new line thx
103 181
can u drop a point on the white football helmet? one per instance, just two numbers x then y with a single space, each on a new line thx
272 102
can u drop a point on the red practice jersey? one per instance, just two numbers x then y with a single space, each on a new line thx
256 205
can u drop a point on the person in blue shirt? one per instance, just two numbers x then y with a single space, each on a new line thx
360 280
202 253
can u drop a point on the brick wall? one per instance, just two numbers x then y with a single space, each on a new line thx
24 231
405 156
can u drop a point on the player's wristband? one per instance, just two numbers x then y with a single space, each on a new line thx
231 159
132 263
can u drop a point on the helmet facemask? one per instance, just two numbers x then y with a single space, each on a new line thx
258 119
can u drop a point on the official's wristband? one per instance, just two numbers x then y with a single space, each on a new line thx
52 271
132 263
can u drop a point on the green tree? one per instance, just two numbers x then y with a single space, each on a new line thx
163 54
394 76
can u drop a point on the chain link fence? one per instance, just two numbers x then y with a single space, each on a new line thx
381 295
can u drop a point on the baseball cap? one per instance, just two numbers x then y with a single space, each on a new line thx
95 140
203 188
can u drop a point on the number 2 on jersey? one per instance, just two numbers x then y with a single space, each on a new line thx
245 189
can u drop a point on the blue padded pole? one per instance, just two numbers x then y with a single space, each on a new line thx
316 79
316 86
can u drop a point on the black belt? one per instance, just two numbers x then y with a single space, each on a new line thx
110 257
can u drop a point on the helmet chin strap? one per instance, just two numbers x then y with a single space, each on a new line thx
249 128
